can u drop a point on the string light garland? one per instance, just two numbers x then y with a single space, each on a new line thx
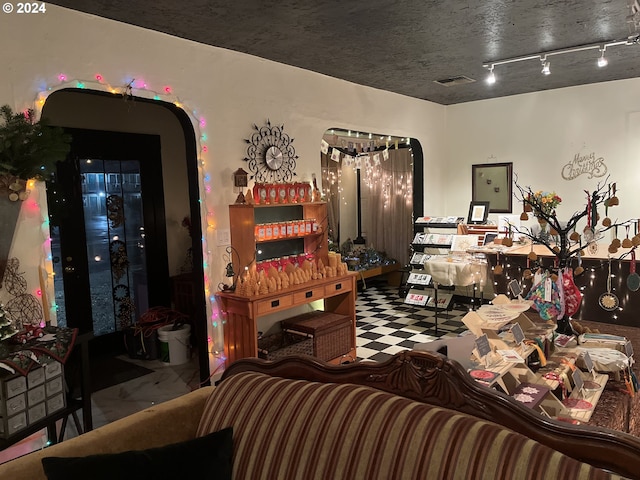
371 165
137 88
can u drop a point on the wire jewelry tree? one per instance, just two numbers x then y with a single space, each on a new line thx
563 240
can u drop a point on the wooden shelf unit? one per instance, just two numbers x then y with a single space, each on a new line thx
241 313
244 218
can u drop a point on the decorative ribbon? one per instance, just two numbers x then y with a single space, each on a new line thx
543 358
566 362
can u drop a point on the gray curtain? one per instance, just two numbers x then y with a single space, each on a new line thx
386 199
387 218
331 188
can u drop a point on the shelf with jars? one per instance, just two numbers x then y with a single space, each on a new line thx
276 271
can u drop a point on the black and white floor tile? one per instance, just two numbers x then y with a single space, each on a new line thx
386 325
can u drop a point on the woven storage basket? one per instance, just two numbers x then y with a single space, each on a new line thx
332 333
282 344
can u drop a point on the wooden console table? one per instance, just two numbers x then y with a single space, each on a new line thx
241 313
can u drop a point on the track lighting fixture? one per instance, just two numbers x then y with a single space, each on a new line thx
602 60
543 57
546 66
491 78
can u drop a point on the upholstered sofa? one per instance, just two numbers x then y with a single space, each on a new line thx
418 415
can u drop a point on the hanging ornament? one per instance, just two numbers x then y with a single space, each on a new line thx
523 216
497 270
609 301
527 204
633 280
579 269
588 231
627 243
607 221
613 200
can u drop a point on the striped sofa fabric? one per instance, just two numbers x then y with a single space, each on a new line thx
294 429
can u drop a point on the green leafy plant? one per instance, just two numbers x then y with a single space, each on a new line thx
30 148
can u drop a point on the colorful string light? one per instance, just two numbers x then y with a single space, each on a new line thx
138 88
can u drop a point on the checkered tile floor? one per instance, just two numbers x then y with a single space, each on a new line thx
385 325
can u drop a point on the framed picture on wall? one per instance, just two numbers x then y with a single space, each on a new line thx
492 182
478 212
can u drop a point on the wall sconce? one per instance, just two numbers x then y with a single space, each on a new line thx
240 182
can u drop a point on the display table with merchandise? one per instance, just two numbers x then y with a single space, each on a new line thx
34 388
550 383
592 282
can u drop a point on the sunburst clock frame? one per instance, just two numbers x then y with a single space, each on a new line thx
271 156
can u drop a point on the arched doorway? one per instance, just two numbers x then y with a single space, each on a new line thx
142 151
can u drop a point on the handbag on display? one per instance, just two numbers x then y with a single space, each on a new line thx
548 306
572 294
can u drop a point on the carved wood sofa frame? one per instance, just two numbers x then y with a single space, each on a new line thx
432 378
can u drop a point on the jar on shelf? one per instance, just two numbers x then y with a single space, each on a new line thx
315 226
296 228
262 232
308 226
302 227
275 231
272 193
282 193
289 229
302 195
268 231
262 197
292 193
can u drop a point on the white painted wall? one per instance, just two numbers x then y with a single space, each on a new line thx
540 133
231 91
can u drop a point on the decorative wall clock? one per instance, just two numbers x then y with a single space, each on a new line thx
271 157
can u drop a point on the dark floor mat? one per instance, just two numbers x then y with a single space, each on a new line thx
108 371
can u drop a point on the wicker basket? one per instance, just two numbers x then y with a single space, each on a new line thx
283 344
332 333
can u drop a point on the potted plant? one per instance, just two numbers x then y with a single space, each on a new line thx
29 149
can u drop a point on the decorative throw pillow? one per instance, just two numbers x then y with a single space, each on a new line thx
204 457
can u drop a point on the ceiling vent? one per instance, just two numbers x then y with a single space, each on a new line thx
453 81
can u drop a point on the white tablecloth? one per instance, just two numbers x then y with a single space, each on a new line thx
450 271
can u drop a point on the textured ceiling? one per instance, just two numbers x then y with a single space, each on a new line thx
403 46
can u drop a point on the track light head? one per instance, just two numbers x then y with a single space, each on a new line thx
602 61
491 78
546 67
